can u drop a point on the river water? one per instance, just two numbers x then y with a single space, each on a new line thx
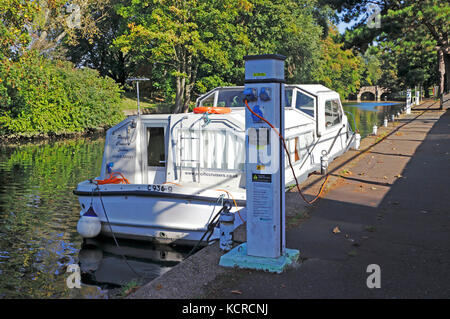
39 214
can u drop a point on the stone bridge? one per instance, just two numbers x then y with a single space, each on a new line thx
376 90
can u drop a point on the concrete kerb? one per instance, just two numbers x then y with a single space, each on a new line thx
191 277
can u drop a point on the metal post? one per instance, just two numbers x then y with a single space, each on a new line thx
137 80
139 107
408 101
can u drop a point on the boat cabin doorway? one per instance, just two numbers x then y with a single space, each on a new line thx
156 158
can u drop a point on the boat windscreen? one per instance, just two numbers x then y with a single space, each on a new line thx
231 98
288 97
304 103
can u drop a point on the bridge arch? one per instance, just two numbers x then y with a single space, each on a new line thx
376 90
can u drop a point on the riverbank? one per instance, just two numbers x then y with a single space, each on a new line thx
386 204
19 139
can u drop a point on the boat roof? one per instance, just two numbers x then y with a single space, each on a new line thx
315 89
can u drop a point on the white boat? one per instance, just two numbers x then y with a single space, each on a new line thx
181 167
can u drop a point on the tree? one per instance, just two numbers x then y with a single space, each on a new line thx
97 51
401 17
42 25
434 17
61 19
181 34
339 68
290 28
371 72
15 16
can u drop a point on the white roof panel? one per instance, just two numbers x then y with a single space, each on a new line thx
315 89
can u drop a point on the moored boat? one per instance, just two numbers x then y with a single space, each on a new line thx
164 177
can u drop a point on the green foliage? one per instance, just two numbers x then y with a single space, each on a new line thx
411 31
183 36
201 44
42 96
15 15
371 72
339 69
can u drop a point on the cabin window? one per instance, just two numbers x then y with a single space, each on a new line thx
231 98
304 103
209 101
333 113
156 154
288 97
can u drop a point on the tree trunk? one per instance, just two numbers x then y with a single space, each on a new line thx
179 97
441 65
447 72
191 73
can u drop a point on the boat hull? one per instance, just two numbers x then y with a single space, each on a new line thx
144 215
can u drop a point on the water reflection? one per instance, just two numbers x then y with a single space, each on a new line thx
38 214
38 218
102 262
368 114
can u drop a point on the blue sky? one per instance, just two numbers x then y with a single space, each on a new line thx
342 26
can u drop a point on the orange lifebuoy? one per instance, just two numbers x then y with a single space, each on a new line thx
212 109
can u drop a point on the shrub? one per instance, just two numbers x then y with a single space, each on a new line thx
38 95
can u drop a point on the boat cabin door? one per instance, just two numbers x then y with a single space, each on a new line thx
155 154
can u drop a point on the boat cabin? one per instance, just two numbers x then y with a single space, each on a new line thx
209 149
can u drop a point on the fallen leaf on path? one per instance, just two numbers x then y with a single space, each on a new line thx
374 188
236 292
159 287
385 177
398 176
336 230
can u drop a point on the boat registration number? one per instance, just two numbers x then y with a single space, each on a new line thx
160 188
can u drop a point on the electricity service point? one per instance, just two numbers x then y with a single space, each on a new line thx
264 94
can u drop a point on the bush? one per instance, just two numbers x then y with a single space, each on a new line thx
38 95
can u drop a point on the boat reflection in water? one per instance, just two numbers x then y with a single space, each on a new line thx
105 265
